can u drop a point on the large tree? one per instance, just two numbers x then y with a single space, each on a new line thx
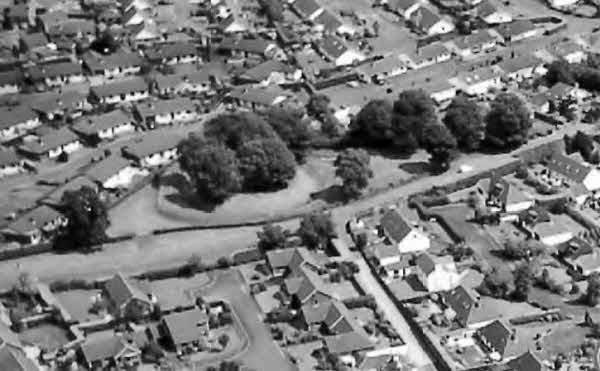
352 166
318 105
439 142
465 121
292 129
316 229
236 129
211 167
373 124
87 216
271 237
523 276
413 110
508 122
266 164
560 71
592 295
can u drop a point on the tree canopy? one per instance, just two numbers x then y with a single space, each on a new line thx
235 129
271 237
439 142
316 229
592 295
318 105
352 166
265 164
211 167
560 71
414 110
87 216
465 121
508 122
292 129
373 123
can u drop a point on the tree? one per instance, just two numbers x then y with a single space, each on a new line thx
592 295
223 340
318 105
211 167
560 71
266 164
316 229
465 121
497 284
105 44
373 123
87 216
523 276
271 237
236 129
273 9
413 110
439 142
508 122
292 129
352 166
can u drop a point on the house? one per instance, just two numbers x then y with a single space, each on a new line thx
155 149
114 172
503 197
17 121
257 98
397 230
440 90
55 74
32 41
517 30
120 92
307 290
72 29
144 35
572 171
113 65
488 12
540 102
307 9
465 307
10 163
522 68
569 51
33 226
55 105
526 362
9 82
585 263
551 234
71 183
327 22
393 265
562 3
177 53
428 55
127 300
495 338
241 49
561 91
477 82
185 331
232 25
108 350
470 45
52 144
378 71
283 262
337 52
105 126
271 72
348 343
429 23
437 273
404 8
197 82
167 112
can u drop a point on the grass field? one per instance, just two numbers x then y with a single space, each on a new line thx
78 303
48 337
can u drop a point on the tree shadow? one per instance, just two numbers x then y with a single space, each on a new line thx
416 167
331 194
389 153
415 284
185 197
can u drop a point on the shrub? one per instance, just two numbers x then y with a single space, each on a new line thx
224 262
223 340
365 301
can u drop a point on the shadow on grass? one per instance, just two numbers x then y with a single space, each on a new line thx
185 197
331 194
416 167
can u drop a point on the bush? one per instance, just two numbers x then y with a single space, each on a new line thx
224 262
365 301
74 284
223 340
280 315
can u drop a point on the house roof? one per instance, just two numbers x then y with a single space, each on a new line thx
106 346
587 262
526 362
262 71
428 52
462 303
563 49
32 40
8 156
304 283
486 8
33 220
497 334
171 81
74 184
559 90
567 167
395 226
424 18
72 27
178 49
107 167
121 291
382 251
306 7
54 101
12 116
348 342
120 87
332 46
185 327
151 143
159 107
262 96
382 66
292 258
98 63
474 40
428 262
53 70
256 46
515 28
91 125
50 141
520 63
328 21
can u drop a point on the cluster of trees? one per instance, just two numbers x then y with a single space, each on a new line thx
584 144
587 74
242 152
411 122
316 230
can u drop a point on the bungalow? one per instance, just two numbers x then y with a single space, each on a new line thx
73 29
32 41
154 149
16 122
287 261
569 51
502 197
488 13
348 343
109 350
495 338
440 90
185 331
517 30
271 72
55 105
522 68
404 8
429 23
178 53
196 82
397 230
478 82
561 91
120 92
526 362
105 126
239 50
55 74
52 144
572 171
428 55
127 300
336 51
465 307
327 22
10 163
437 273
9 82
33 226
232 25
307 9
114 172
479 42
144 35
380 70
113 65
392 264
585 264
257 98
551 234
540 102
167 112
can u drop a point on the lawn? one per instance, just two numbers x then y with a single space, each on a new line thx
47 336
78 303
302 354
